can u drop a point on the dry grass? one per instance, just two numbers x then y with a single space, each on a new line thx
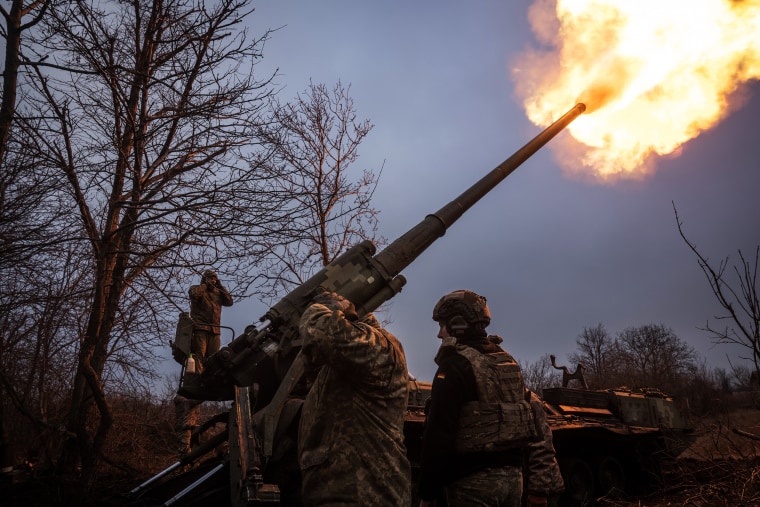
141 443
720 469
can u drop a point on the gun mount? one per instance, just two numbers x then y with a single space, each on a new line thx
261 368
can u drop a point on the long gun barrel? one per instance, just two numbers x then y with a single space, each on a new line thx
262 356
408 247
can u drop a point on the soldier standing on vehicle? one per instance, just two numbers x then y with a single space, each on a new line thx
206 301
480 424
351 441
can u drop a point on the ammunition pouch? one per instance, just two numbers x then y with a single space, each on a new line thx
501 418
493 427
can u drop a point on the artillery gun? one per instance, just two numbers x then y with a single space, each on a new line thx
261 370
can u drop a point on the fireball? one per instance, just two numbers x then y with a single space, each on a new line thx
652 73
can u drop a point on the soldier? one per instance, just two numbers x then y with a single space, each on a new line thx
351 438
186 413
480 425
544 481
206 301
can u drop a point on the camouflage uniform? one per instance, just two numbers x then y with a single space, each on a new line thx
351 441
186 413
486 488
543 477
475 478
206 301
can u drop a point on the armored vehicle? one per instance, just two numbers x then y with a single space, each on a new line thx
612 442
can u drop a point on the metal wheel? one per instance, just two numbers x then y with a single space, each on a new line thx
611 477
579 482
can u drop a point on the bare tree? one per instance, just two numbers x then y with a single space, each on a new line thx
739 298
653 356
35 301
18 19
38 345
151 109
540 375
316 139
594 345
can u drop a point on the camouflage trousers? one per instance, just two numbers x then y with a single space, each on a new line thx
204 344
186 413
490 487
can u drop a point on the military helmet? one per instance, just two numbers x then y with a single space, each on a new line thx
462 310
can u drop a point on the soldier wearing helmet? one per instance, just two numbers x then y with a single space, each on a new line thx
480 426
206 301
462 313
351 435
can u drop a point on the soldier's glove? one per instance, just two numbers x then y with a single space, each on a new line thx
537 501
335 302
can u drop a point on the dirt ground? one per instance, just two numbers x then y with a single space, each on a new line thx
734 436
720 468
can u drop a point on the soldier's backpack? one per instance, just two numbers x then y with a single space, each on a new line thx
182 338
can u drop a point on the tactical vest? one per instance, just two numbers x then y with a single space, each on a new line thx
502 418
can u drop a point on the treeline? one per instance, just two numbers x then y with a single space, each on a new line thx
649 356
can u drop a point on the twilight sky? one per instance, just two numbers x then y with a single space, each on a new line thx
551 253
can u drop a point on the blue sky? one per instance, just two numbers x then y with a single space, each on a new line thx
551 254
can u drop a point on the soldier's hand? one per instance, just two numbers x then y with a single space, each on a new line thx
537 501
335 302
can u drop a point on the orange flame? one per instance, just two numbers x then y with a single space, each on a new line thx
652 73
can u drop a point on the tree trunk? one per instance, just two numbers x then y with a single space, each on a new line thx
88 401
